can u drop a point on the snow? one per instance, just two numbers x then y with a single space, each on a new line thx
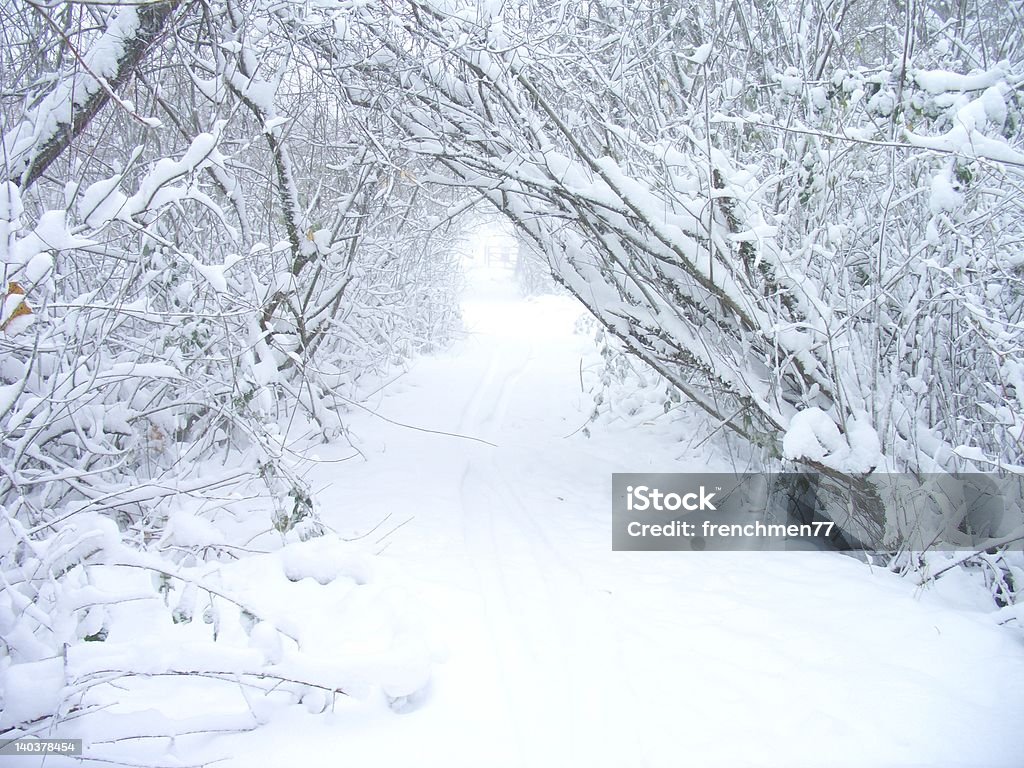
819 97
102 201
967 137
438 587
14 319
813 435
9 394
994 102
214 274
41 122
271 126
702 54
11 210
882 103
38 267
971 453
265 638
944 197
30 690
791 81
190 530
940 81
478 615
564 653
917 385
732 88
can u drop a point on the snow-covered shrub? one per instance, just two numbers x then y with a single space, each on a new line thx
206 257
791 221
623 387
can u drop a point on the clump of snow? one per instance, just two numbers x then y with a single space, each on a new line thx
944 196
322 560
101 202
995 105
938 81
813 435
917 385
265 638
971 453
882 103
272 125
190 530
30 690
701 55
214 274
819 98
38 267
865 447
792 81
967 137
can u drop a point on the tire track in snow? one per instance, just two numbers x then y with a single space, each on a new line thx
468 419
531 656
599 698
557 671
496 419
485 413
530 659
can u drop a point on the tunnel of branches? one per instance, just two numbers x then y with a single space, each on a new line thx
802 215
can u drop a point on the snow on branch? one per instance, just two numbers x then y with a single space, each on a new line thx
47 129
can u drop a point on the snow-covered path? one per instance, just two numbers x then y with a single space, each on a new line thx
560 652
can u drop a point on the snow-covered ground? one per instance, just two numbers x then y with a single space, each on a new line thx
560 652
549 649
